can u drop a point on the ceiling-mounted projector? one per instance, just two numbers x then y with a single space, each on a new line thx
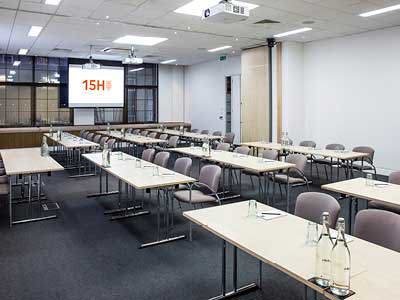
226 12
91 65
132 59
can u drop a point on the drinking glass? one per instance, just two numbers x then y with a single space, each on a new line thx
369 181
120 155
138 163
156 171
192 146
252 211
312 234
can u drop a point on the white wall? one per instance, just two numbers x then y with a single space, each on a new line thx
171 104
205 92
351 92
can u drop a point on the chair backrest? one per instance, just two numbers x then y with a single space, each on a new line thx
3 179
210 176
163 136
205 131
242 150
129 130
111 143
144 133
103 140
90 136
217 133
136 131
161 159
223 146
299 160
81 132
334 147
148 154
173 141
183 165
229 137
394 177
153 135
311 144
366 149
270 154
195 130
85 134
96 139
379 227
311 205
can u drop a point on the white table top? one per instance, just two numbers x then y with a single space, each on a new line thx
190 135
69 140
133 138
380 191
139 178
22 161
237 160
281 243
338 154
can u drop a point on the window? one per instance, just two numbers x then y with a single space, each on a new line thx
15 105
108 115
50 69
47 107
14 68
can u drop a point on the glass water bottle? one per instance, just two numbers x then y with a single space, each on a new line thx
323 253
106 156
340 263
44 149
108 128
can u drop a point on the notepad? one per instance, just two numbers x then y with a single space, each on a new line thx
271 214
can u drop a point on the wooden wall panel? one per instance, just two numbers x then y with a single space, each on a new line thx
255 95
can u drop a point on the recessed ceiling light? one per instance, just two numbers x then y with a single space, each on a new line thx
140 40
236 39
136 70
219 48
380 11
23 51
175 32
52 2
196 7
293 32
168 61
35 30
188 27
16 63
107 17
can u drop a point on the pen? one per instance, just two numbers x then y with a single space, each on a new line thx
271 213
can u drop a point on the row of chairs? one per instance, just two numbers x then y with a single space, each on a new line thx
229 137
376 226
98 139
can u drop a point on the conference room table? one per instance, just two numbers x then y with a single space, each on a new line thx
74 146
280 242
134 139
142 175
26 162
345 156
188 135
367 189
233 160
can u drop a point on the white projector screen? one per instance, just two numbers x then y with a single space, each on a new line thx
96 88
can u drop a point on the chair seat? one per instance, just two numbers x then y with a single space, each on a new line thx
197 196
283 178
384 206
4 189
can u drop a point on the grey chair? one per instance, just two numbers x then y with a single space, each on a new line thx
136 132
394 178
148 154
311 144
229 138
223 147
242 150
90 136
183 165
293 177
152 135
311 205
329 162
96 139
194 131
379 227
205 131
173 142
102 141
163 136
205 190
365 163
161 159
111 143
217 133
129 130
144 133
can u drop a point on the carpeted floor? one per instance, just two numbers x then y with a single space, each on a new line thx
83 255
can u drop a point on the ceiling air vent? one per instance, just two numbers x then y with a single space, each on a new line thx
267 21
